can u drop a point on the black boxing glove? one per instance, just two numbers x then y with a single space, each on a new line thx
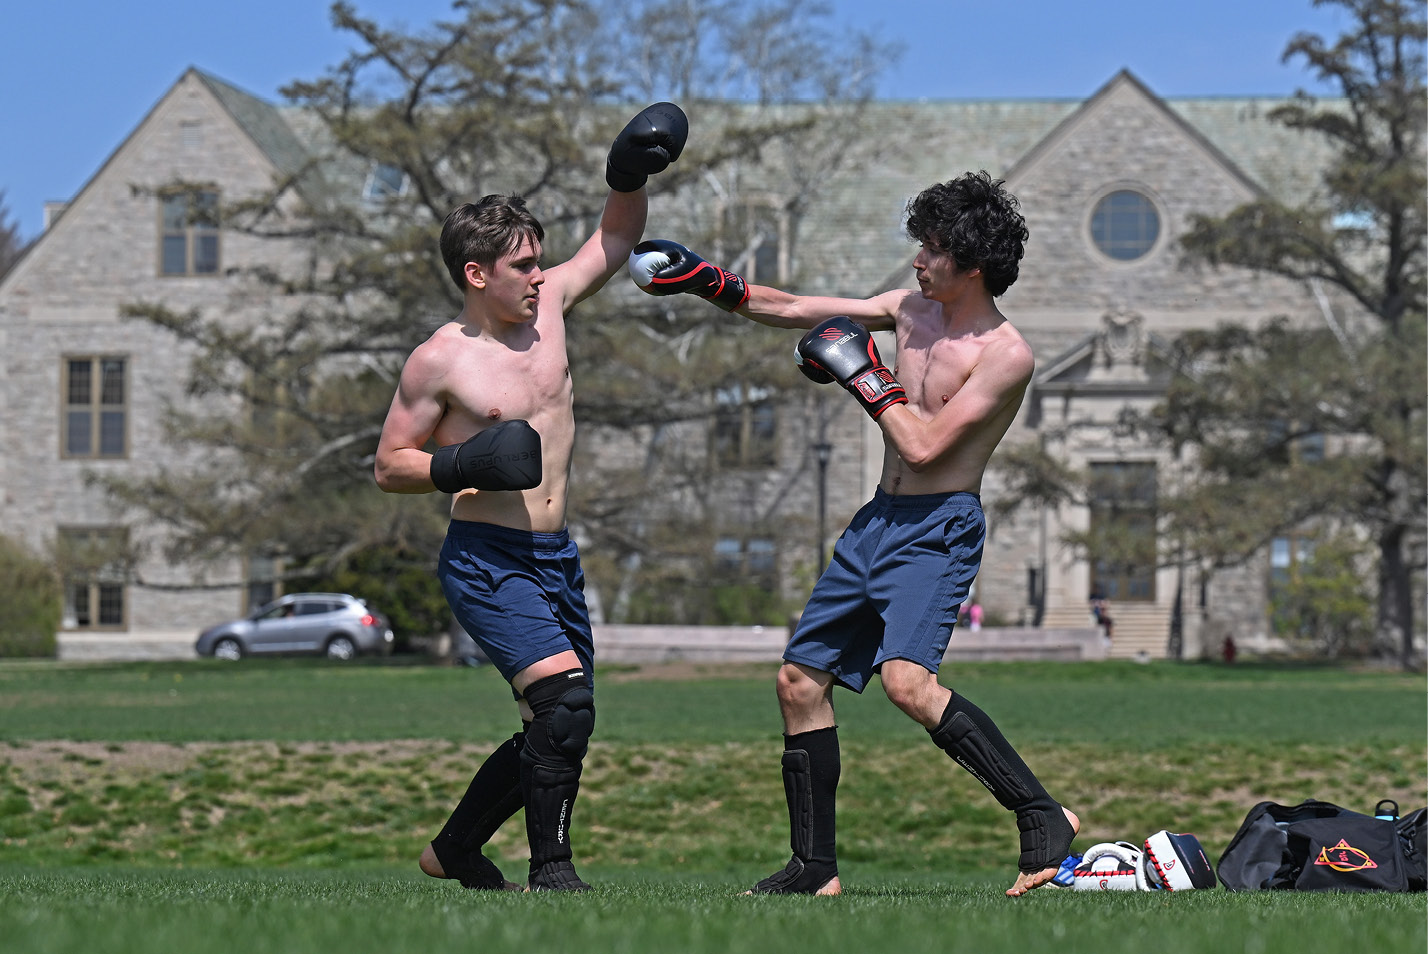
647 145
661 267
842 350
505 456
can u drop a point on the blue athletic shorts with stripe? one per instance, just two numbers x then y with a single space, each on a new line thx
520 595
898 575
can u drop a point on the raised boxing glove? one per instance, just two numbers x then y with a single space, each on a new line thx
647 145
842 350
505 456
661 267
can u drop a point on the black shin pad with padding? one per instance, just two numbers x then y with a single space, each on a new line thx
973 740
551 761
811 766
493 796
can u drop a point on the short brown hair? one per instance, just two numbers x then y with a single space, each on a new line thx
484 231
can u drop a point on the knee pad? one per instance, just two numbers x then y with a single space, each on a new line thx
564 710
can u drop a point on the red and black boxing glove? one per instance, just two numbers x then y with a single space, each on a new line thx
842 350
661 267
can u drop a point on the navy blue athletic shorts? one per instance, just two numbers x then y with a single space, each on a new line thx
898 575
520 595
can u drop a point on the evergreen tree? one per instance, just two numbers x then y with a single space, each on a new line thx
290 385
1319 421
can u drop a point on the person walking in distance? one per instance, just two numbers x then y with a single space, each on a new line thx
492 389
889 597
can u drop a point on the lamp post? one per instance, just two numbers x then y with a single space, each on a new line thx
822 451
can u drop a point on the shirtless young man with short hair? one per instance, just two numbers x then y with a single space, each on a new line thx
889 598
492 388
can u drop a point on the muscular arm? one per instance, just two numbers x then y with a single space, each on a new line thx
587 271
781 309
981 408
402 466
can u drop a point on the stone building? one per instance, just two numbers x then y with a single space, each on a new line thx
1106 183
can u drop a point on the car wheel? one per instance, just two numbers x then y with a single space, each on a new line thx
228 648
341 647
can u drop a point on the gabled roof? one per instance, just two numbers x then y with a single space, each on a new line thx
262 121
1125 79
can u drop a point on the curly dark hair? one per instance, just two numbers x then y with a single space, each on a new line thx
484 231
977 222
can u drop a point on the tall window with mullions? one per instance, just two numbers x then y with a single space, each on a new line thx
189 233
96 407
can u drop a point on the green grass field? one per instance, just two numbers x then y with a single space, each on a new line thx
280 806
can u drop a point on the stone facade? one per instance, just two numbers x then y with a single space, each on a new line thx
1092 320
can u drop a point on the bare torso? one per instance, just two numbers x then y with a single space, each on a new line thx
525 377
933 364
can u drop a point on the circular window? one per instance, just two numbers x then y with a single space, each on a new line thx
1125 225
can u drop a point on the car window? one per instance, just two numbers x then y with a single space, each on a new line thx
277 611
313 607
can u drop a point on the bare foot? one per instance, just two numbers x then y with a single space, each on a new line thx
1026 881
834 886
429 864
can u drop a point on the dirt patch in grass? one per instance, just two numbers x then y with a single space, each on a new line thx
687 672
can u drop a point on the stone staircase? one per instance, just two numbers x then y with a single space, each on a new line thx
1140 629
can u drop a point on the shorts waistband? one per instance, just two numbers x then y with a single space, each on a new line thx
925 503
536 540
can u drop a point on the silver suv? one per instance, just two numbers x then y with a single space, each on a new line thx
334 625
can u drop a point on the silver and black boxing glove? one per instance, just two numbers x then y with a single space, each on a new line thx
662 267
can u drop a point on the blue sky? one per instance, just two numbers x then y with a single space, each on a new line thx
78 75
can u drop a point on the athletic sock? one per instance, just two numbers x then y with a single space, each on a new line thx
550 768
972 739
811 768
493 796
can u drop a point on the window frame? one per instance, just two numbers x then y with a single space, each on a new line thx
731 243
1152 202
377 190
743 428
97 590
1137 515
748 557
95 408
192 231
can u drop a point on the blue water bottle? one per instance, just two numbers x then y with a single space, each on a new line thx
1386 810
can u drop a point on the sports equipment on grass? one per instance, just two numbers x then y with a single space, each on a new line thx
1110 866
1176 862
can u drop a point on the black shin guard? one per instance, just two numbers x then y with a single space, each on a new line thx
973 740
493 796
811 766
555 744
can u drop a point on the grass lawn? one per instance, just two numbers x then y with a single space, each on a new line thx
279 805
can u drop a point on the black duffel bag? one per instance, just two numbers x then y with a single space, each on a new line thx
1319 846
